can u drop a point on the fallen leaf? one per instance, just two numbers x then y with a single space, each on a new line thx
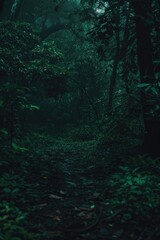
55 197
42 205
57 218
72 184
62 192
81 214
58 212
93 206
54 217
77 209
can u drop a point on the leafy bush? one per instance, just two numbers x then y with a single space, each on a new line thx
152 92
47 66
13 219
25 59
137 191
26 65
84 133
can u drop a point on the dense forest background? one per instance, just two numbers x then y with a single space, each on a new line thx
79 119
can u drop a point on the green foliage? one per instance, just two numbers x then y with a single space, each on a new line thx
24 58
16 40
20 172
12 221
47 65
136 189
38 173
118 129
84 133
3 132
12 217
27 65
18 149
152 93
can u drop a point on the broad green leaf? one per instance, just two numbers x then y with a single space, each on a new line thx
18 148
34 107
143 85
154 91
4 132
30 107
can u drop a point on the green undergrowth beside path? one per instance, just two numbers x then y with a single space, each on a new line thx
67 187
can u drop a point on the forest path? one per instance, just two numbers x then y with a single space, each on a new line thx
75 189
60 189
70 186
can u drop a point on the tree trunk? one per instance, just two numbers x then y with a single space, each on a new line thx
116 15
124 52
15 10
151 144
1 5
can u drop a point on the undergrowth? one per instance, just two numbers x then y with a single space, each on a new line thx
131 185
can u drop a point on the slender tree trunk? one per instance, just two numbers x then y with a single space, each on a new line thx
113 80
120 54
142 8
124 51
91 104
1 5
116 61
15 10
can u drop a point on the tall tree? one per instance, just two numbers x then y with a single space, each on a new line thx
1 5
143 11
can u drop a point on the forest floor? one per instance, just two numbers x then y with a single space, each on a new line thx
60 188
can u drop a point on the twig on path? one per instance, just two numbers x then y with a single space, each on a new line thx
94 224
112 216
88 228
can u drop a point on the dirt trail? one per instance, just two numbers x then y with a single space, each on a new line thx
72 200
74 191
